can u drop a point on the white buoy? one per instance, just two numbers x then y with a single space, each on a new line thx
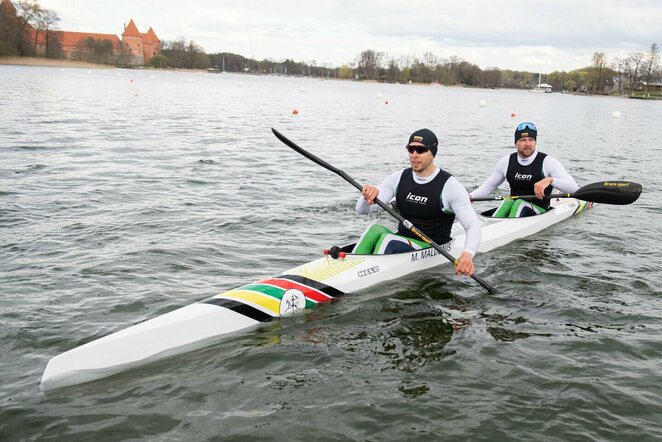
482 103
190 79
241 84
152 76
616 114
379 95
89 71
302 89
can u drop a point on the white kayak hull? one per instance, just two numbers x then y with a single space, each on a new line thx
301 287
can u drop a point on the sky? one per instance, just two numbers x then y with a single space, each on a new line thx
536 36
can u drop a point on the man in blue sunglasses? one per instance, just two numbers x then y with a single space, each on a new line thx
528 172
429 197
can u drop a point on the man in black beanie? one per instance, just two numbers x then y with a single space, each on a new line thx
528 172
429 197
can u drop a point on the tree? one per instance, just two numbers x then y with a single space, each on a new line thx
368 64
159 61
15 35
29 13
345 72
12 35
392 71
47 20
599 63
632 66
492 78
187 55
652 64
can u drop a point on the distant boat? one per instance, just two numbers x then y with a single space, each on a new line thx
542 87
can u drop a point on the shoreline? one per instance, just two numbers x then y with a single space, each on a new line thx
64 63
50 62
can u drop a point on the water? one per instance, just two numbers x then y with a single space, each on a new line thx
126 194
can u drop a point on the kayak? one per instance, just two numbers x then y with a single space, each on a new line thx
324 279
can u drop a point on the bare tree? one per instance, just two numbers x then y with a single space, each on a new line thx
652 64
369 62
47 21
599 63
29 13
632 66
618 65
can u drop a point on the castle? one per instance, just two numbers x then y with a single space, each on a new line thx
133 48
136 47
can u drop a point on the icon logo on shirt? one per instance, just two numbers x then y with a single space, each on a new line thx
521 176
417 199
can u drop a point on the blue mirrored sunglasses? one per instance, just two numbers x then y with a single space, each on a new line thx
527 125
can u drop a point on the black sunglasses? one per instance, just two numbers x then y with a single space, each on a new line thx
418 149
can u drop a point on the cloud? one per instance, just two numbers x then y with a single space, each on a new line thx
545 35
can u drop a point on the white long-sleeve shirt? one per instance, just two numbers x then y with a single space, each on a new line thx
551 167
454 199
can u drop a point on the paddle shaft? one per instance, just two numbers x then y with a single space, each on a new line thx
379 202
519 197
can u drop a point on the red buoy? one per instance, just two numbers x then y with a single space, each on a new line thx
295 112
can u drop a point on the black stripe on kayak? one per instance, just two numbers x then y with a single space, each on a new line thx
240 308
327 289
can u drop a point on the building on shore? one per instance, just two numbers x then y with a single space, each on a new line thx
140 47
134 47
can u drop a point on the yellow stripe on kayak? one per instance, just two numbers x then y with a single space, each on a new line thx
583 205
256 298
326 269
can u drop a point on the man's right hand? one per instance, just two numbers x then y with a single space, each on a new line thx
370 193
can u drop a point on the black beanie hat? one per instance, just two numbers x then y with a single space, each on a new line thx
525 130
426 137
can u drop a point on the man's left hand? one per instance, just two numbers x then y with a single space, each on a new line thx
540 186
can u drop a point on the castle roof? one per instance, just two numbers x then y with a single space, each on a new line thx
131 30
150 36
75 38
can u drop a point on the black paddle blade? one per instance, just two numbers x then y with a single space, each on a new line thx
610 192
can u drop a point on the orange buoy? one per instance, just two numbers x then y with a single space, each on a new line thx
512 115
295 112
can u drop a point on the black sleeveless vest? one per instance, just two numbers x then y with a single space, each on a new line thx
421 205
522 178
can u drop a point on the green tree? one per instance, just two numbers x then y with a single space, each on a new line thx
345 72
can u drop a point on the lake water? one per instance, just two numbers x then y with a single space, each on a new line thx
125 194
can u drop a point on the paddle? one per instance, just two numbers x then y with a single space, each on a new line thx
604 192
381 204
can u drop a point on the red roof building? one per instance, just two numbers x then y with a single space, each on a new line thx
134 47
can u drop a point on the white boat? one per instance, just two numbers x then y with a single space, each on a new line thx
301 287
542 87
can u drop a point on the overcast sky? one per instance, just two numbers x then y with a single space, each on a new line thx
537 36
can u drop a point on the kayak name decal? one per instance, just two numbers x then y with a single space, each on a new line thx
427 253
367 272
